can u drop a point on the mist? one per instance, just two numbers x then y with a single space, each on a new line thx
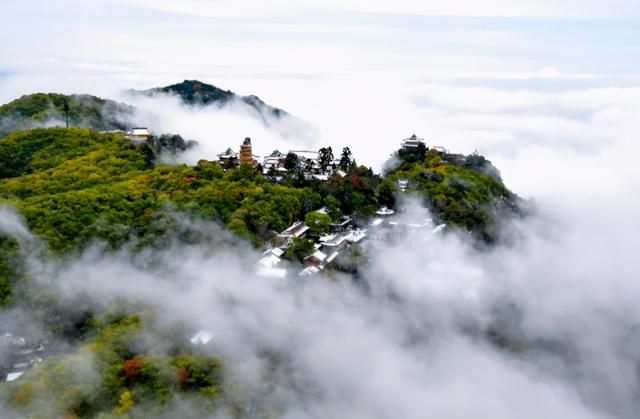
545 327
217 128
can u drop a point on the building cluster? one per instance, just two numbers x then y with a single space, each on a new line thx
275 164
326 248
17 355
344 235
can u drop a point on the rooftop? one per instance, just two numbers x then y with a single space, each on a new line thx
201 338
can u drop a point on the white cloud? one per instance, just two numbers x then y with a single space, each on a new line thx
485 8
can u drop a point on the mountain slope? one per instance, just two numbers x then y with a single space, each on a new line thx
468 194
194 92
47 109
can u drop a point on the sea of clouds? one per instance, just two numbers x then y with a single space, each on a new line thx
423 337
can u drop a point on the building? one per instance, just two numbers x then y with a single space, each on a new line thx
384 211
316 259
228 158
275 160
403 184
454 158
201 338
246 153
17 355
334 242
297 229
412 143
341 224
272 258
139 134
440 149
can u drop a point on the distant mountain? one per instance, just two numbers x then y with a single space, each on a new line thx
194 92
41 110
47 109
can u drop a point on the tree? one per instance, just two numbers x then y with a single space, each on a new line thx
272 172
333 205
318 222
131 369
299 248
125 403
421 151
433 158
65 108
345 159
325 157
291 162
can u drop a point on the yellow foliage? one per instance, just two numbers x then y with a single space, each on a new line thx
125 403
22 395
441 169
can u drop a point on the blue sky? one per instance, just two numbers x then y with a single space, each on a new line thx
160 38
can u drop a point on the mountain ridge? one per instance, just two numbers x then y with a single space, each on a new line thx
41 110
198 93
38 110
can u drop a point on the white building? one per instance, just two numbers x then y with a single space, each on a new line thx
412 143
201 338
139 134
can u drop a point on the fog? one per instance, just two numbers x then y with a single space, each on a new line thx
217 128
417 339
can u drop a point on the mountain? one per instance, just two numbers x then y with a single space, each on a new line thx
45 173
41 110
47 109
76 187
197 93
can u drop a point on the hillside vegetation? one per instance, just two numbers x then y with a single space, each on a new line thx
75 186
48 109
118 371
469 195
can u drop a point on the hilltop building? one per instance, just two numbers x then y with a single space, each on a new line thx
273 165
139 134
275 160
412 143
246 153
228 158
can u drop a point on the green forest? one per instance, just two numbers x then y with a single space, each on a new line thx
39 109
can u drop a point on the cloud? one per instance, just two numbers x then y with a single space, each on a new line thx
12 224
417 337
487 8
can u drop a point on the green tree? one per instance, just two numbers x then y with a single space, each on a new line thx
345 159
291 162
318 222
299 248
325 157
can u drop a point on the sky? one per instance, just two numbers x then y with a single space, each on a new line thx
549 91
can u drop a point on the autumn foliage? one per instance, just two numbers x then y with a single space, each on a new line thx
131 369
